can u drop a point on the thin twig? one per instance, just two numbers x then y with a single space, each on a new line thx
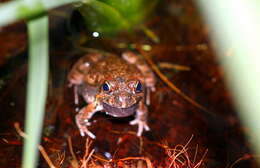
61 158
87 155
201 160
72 152
196 152
41 149
46 157
167 65
169 83
148 162
101 159
245 157
85 162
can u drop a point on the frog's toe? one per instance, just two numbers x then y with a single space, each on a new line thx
84 131
91 135
146 127
142 125
153 89
134 122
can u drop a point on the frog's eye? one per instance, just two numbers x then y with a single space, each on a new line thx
106 87
138 87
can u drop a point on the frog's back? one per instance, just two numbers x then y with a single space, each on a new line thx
111 67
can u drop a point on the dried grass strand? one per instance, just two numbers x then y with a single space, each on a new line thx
74 158
87 154
177 154
86 159
41 148
169 83
201 160
245 157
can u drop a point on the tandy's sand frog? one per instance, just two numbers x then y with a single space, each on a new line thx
118 86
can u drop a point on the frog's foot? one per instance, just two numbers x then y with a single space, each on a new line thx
84 131
83 117
83 126
142 125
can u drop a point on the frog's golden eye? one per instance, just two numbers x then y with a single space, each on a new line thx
106 87
138 87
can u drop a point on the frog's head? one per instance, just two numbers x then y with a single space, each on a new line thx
120 98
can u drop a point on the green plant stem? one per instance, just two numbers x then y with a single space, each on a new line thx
21 9
235 26
36 88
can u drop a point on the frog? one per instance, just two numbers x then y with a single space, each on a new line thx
118 85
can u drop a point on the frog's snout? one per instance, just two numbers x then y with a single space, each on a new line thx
124 100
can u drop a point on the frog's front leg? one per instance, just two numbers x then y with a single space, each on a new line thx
141 119
83 117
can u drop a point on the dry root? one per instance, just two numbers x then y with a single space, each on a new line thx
177 157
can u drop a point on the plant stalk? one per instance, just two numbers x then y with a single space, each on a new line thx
36 88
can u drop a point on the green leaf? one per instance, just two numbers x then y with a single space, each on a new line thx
112 16
102 18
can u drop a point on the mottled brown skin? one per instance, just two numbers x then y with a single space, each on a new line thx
121 97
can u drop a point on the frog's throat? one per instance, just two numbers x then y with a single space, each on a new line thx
120 112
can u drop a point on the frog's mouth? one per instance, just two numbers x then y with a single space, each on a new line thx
119 112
